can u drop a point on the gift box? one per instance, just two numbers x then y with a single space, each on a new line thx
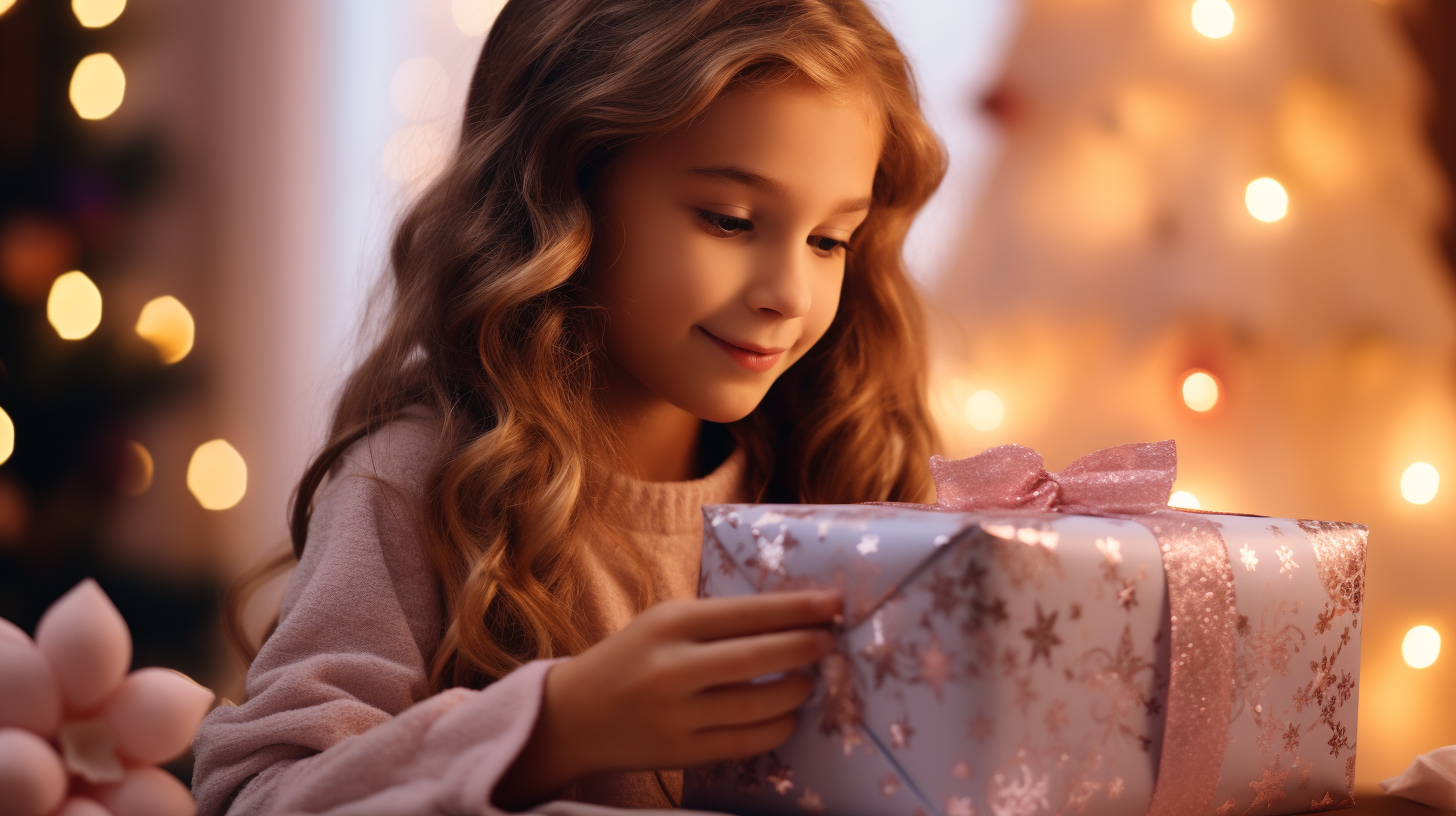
1054 643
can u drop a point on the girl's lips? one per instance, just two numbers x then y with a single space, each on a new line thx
751 360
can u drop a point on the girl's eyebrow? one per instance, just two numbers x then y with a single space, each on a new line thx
764 184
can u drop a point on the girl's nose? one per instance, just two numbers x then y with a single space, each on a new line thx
780 286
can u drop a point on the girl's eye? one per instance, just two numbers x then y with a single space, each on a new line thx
826 245
724 226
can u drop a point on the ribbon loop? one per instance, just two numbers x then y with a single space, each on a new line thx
1131 479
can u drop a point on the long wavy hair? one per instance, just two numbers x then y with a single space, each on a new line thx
492 329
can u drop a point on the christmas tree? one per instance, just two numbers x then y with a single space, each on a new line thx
1217 222
79 380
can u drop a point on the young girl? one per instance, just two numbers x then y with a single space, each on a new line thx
662 270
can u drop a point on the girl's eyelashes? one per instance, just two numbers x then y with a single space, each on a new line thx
826 246
724 226
729 226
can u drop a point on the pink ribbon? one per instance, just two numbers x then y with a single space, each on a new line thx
1136 480
1126 479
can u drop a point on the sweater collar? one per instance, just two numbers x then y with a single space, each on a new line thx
676 507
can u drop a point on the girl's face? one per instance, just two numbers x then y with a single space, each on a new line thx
720 247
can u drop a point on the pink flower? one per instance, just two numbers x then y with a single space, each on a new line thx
78 735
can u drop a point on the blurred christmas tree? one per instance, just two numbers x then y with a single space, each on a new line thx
76 378
1217 221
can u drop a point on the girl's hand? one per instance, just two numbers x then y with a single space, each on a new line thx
670 690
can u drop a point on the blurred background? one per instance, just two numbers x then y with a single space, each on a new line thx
1221 221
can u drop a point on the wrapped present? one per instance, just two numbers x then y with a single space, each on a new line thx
1054 643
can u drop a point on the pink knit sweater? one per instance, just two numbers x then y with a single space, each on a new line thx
339 717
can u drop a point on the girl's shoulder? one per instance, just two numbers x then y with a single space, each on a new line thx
396 454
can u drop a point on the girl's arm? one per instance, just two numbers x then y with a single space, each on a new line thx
339 717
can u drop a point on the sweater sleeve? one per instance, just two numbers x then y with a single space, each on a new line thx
339 719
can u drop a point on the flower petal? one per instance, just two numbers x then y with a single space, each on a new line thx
32 781
147 791
29 695
155 713
81 806
87 643
10 633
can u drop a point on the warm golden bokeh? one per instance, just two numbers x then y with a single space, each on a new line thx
1419 483
97 86
474 17
7 436
985 410
74 306
1183 499
217 475
97 13
1421 647
1266 200
1200 391
166 324
1213 18
137 470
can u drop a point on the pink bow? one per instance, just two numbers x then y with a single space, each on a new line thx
1132 479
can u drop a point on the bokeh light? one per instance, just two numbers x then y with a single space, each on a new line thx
420 90
1200 390
984 410
97 86
1266 200
7 436
74 306
1421 647
1184 500
474 17
217 475
166 324
137 473
1419 483
5 5
1213 18
414 155
97 13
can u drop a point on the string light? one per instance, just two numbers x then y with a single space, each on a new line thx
1184 500
139 470
1213 19
1421 647
97 86
217 475
474 17
1266 199
1419 483
74 306
97 13
5 5
166 324
7 436
984 410
1200 390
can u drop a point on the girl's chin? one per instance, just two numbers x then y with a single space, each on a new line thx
727 402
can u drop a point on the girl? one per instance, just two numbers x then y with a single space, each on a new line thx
662 270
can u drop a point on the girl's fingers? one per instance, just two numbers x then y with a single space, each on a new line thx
717 618
743 658
748 703
736 742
